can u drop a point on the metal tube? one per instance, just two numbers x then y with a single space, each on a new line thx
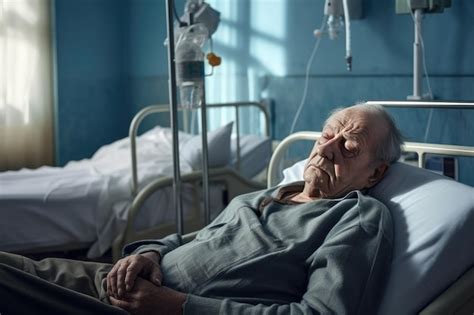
237 130
205 164
174 118
132 135
417 58
420 148
425 104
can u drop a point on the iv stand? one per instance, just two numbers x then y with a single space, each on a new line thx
417 58
205 164
174 126
174 119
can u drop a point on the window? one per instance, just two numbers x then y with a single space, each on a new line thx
26 93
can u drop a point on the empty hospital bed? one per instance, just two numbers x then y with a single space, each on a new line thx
250 155
433 261
86 204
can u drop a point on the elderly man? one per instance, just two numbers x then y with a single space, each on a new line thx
313 247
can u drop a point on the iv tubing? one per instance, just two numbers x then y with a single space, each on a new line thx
306 81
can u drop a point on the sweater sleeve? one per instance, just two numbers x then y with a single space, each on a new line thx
162 246
173 241
346 275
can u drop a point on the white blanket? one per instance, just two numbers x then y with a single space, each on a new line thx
85 201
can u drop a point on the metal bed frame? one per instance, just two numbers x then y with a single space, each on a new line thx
421 149
234 183
458 298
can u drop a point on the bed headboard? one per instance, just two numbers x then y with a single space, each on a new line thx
164 108
421 149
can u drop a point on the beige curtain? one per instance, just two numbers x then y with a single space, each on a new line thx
26 90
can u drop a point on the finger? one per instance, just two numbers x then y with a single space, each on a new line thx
112 280
120 303
112 277
121 273
156 276
132 272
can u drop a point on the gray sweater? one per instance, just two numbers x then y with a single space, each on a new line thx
265 255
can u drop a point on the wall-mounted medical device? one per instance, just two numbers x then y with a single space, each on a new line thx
340 13
417 8
428 6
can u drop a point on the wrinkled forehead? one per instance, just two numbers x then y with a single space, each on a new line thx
351 116
360 121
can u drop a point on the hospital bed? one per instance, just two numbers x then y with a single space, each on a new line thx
433 260
94 203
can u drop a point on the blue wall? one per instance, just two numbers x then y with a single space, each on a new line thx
112 62
92 75
148 73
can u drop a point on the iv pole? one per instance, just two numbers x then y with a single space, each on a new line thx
174 126
205 164
174 118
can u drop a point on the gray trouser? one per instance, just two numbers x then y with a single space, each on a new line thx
53 286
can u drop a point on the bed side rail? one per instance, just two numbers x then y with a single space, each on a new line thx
422 149
164 108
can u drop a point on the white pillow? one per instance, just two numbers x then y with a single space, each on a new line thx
255 153
293 173
218 148
433 218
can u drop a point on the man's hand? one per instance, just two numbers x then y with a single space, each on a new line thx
147 298
121 278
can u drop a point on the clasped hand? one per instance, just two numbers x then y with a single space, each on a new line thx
134 284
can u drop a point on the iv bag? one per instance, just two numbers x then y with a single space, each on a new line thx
190 65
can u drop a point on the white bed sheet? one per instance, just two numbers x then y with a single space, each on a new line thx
87 201
81 202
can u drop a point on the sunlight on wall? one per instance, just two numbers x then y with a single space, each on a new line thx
250 39
269 54
221 86
268 25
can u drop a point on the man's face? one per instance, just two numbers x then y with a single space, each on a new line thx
343 158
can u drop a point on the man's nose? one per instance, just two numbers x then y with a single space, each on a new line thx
327 149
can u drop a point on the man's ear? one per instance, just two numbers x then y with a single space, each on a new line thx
378 174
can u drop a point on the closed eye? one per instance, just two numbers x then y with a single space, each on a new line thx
349 148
